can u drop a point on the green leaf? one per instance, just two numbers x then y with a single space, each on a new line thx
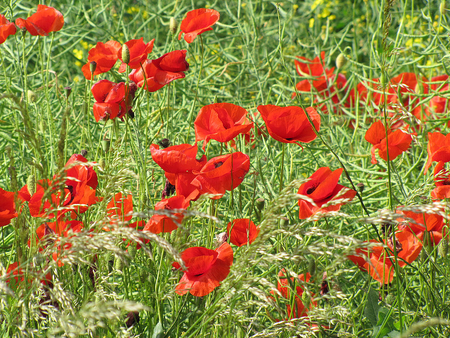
372 307
158 331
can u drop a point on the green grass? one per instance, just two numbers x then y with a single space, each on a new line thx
248 60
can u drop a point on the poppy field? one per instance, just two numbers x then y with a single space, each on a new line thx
224 169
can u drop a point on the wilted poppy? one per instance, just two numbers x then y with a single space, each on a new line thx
438 148
7 207
221 174
120 208
397 141
327 195
197 22
205 269
138 53
6 28
284 287
167 223
290 124
110 99
442 181
155 74
242 231
105 57
45 20
221 122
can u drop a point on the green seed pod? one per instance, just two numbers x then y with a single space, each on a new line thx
390 298
341 61
118 264
68 91
31 184
259 203
125 54
312 266
173 25
132 250
106 144
442 7
102 163
31 96
443 248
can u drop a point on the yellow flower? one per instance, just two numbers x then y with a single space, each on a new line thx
78 54
76 79
311 23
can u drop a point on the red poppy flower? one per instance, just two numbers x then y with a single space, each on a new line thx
438 104
205 269
120 208
438 148
222 173
398 141
221 122
110 100
290 124
7 207
105 57
155 74
138 53
376 263
421 223
442 181
45 20
197 22
15 275
165 223
242 231
284 287
46 199
58 229
178 162
323 188
6 28
313 68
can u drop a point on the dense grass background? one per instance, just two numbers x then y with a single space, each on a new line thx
248 60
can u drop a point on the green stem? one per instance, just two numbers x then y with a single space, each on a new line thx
282 167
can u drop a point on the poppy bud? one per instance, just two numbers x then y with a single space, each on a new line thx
360 186
306 299
341 61
259 204
383 80
105 144
68 91
443 248
125 54
312 266
92 67
221 238
132 250
173 25
284 221
31 184
118 264
31 96
83 152
390 298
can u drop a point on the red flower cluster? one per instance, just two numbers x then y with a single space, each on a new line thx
205 269
221 122
326 194
167 223
395 143
192 177
104 55
197 22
